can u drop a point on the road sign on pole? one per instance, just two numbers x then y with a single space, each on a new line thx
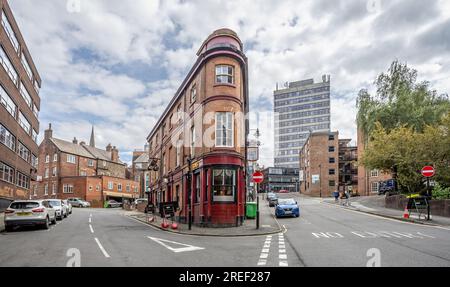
428 171
258 177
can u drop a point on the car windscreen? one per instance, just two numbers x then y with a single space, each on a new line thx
24 205
55 203
286 202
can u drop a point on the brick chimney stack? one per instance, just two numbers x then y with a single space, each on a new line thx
114 154
75 141
108 148
49 132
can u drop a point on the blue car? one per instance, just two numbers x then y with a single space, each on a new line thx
287 207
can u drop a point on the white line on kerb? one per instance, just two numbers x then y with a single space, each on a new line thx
92 230
101 248
90 220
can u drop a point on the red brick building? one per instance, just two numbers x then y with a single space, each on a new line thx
19 109
199 143
71 169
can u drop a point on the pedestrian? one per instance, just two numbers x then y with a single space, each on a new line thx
336 196
347 198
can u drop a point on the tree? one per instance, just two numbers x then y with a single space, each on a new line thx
400 101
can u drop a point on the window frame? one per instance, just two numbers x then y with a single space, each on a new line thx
220 140
220 74
224 198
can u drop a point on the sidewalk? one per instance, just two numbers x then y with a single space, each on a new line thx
268 225
375 205
2 221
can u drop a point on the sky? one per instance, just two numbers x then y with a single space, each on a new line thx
116 64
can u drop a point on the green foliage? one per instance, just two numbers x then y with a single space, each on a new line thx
440 192
400 101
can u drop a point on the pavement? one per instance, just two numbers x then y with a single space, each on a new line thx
268 224
376 205
324 235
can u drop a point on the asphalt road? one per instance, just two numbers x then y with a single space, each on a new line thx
323 236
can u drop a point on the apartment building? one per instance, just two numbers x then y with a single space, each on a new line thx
319 164
19 111
302 107
199 143
76 169
280 178
139 170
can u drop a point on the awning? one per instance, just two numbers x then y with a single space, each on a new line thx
118 194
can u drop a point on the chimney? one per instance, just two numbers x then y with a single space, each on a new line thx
75 141
48 133
114 154
108 148
82 143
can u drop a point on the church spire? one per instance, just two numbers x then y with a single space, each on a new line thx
92 140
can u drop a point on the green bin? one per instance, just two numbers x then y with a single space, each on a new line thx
251 210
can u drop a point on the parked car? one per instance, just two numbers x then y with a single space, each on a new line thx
29 213
68 206
140 200
284 191
113 204
269 194
78 202
60 208
273 200
287 207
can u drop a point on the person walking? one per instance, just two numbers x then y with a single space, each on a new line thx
347 198
336 196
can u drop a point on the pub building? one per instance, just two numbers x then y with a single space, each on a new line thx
197 149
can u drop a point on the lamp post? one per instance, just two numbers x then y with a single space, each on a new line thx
320 180
189 180
153 166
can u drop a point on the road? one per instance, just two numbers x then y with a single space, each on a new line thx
323 236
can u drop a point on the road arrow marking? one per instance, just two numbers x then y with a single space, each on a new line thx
186 247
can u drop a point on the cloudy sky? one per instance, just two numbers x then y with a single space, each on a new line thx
116 64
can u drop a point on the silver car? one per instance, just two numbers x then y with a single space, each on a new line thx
29 213
60 209
68 206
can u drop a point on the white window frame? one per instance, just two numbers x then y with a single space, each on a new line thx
46 189
53 188
10 32
7 102
68 188
193 137
7 138
219 139
55 157
374 173
46 172
376 185
110 185
26 95
119 187
54 171
221 72
8 66
24 123
26 66
71 158
193 93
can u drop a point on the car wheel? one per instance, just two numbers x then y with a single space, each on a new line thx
47 223
54 220
65 215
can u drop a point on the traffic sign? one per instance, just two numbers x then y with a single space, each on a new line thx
428 171
258 177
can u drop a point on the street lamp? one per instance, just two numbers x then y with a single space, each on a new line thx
153 166
320 180
189 182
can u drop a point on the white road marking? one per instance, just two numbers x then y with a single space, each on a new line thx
282 256
92 230
90 220
265 251
186 247
101 248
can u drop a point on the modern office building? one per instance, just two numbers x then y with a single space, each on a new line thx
301 108
280 178
19 109
199 143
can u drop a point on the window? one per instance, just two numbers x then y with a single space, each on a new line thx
47 159
197 188
9 31
331 160
70 158
374 173
7 102
374 187
119 187
224 185
90 162
24 123
193 93
128 188
53 188
34 135
46 173
6 173
36 86
23 180
35 190
192 141
35 111
83 173
26 65
224 74
331 171
104 163
34 161
110 185
97 187
332 183
177 160
7 138
67 188
23 152
331 137
54 171
224 130
55 157
9 68
90 187
26 96
331 149
46 189
135 189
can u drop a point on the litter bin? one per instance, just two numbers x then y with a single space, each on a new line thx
251 210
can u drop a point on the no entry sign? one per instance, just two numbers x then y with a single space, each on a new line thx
258 177
428 171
